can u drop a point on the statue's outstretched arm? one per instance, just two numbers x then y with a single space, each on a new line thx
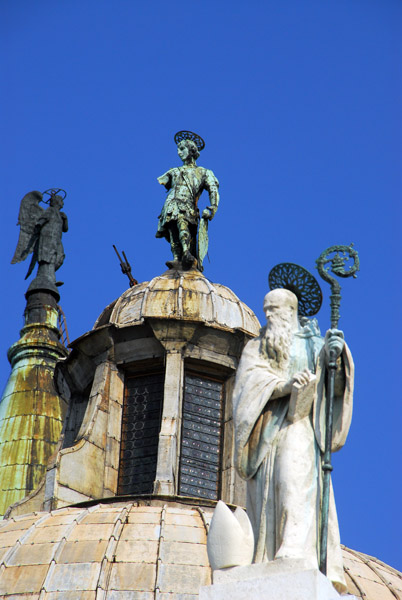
166 180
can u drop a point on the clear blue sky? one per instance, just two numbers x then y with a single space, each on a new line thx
300 107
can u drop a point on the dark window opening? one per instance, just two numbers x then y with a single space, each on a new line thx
75 416
141 421
201 440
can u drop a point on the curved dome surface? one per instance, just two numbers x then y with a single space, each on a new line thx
184 295
132 549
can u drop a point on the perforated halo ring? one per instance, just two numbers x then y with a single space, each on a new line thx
189 135
301 282
54 192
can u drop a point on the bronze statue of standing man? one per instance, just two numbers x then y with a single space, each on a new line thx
178 221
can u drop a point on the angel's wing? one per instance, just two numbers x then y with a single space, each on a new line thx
30 212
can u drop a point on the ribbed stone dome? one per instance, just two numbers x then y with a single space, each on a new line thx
132 549
183 295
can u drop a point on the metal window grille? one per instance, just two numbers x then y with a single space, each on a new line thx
141 422
200 458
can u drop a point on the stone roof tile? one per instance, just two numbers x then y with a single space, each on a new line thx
133 576
137 550
179 533
84 551
23 579
182 579
32 554
140 531
72 577
184 554
144 517
47 534
91 531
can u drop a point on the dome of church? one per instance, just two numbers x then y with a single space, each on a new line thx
132 549
184 296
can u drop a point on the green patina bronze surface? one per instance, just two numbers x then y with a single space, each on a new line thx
335 263
180 216
31 411
40 235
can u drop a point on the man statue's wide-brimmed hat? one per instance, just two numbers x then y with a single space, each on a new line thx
189 135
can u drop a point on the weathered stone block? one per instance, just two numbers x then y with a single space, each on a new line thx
140 531
73 576
84 551
286 579
116 385
187 520
145 517
114 421
10 537
133 576
184 579
137 350
137 551
28 579
98 433
82 469
32 554
178 533
102 516
184 554
67 496
111 476
91 531
49 534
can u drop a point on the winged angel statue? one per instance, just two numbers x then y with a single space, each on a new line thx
40 235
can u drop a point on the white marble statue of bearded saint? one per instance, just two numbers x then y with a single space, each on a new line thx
280 457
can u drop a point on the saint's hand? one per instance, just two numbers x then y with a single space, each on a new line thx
334 343
302 377
285 388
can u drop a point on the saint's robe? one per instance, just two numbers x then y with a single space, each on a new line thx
280 460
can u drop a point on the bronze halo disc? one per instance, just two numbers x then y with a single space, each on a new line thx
54 192
298 280
189 135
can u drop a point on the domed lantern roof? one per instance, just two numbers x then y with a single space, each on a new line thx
185 296
135 548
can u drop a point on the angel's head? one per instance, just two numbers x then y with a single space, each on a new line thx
56 201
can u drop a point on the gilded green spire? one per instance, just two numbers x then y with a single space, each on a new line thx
31 412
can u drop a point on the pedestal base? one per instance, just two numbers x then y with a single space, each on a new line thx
278 580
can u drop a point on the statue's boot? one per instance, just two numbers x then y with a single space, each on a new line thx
175 247
188 259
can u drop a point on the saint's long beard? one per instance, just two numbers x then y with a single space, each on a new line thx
277 341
